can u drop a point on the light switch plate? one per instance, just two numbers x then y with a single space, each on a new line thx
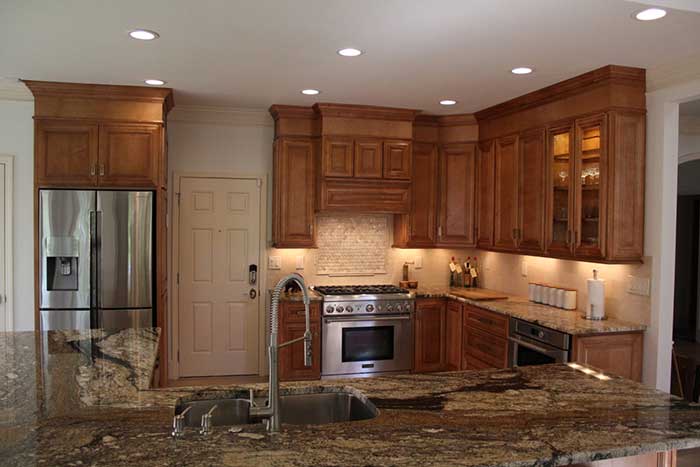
418 262
300 262
638 285
274 262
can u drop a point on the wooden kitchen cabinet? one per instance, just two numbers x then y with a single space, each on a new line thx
66 153
484 339
453 335
397 160
338 156
293 326
129 155
485 194
456 226
293 193
560 193
531 192
430 335
419 228
506 193
368 158
617 354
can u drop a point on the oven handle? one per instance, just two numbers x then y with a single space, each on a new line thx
367 318
535 347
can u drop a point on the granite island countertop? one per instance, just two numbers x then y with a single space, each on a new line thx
567 321
82 398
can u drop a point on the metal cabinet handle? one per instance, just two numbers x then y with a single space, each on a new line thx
92 170
102 170
439 231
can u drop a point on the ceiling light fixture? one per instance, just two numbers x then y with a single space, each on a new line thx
310 92
521 70
448 102
650 14
350 52
143 34
154 82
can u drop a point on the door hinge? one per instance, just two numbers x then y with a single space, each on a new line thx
258 182
177 278
178 198
178 356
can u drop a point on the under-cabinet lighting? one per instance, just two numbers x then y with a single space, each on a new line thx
650 14
143 34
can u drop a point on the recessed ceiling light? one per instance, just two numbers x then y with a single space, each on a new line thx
650 14
143 34
521 70
154 82
310 92
448 102
350 52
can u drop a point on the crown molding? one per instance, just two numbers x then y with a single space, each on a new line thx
326 109
14 90
689 124
220 116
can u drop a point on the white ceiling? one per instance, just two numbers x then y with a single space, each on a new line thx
251 54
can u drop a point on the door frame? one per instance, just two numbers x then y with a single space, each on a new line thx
173 331
8 161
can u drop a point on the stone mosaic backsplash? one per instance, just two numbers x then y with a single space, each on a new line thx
352 245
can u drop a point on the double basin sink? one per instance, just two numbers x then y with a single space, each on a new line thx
295 409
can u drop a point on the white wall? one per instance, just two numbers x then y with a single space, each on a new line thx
17 139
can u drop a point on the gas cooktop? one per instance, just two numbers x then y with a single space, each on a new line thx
385 289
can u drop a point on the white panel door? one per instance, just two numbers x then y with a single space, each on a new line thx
219 238
3 253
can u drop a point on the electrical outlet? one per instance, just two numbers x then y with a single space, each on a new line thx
274 262
638 285
418 262
300 262
523 268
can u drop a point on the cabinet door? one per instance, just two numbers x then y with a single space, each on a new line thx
397 160
457 195
486 347
129 155
338 155
293 197
65 153
368 158
560 190
422 220
506 193
590 165
617 354
531 194
453 346
430 335
485 194
291 358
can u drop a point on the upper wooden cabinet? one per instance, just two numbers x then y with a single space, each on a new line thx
506 193
368 158
66 153
129 155
397 160
456 225
577 190
485 193
338 157
293 197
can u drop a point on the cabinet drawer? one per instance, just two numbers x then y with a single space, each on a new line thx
486 347
293 312
484 320
473 363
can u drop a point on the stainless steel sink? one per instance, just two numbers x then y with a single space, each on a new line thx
295 409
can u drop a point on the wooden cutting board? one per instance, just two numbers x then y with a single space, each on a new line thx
479 294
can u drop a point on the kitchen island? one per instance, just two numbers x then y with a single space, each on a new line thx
83 398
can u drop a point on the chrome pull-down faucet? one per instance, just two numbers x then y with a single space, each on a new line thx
271 410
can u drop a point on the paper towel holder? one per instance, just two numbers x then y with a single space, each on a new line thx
589 313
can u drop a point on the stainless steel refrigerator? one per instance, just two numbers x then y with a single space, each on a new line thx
96 259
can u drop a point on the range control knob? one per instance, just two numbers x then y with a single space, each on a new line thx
407 307
329 309
389 307
540 334
348 309
369 308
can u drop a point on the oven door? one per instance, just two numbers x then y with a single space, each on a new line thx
525 352
361 345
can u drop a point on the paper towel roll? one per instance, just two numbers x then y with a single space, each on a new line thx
596 297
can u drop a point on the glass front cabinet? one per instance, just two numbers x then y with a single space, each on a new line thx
576 194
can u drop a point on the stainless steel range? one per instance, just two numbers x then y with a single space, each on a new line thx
366 329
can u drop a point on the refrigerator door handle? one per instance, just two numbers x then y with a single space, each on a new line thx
98 257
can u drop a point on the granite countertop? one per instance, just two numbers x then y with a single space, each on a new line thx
81 398
567 321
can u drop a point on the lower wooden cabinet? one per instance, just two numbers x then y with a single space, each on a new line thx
430 335
293 326
484 339
617 354
453 331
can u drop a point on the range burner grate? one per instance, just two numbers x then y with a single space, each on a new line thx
359 289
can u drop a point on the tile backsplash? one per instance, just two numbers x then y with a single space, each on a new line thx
355 257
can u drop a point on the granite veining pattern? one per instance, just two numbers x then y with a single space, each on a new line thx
567 321
544 416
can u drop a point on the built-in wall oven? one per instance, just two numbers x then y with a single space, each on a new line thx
531 344
366 330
